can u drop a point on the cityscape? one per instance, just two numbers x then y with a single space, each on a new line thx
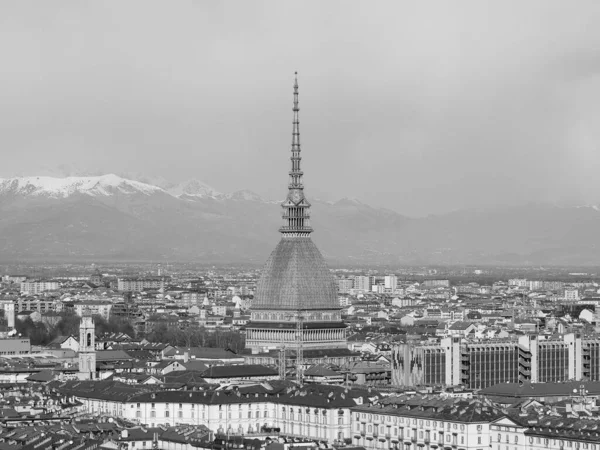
137 313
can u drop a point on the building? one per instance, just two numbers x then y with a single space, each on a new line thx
14 278
478 364
436 283
571 294
363 283
42 305
239 373
33 287
139 284
517 282
8 306
345 285
93 307
87 347
15 346
391 282
424 422
296 302
312 411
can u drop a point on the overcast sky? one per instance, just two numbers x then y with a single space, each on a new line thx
420 106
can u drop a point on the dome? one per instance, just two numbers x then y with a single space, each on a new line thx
295 277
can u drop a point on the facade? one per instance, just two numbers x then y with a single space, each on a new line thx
421 422
137 284
15 346
93 307
478 364
345 285
436 283
391 282
313 411
41 305
87 347
296 295
363 283
37 286
8 306
532 432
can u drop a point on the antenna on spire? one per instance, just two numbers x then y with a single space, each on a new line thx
296 214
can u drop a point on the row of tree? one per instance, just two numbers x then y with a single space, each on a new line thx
196 337
68 325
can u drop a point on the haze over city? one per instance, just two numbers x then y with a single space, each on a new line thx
269 225
423 108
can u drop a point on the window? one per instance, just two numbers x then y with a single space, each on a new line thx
166 413
152 414
478 440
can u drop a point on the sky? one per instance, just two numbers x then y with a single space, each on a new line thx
422 107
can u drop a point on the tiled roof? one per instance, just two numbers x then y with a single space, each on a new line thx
517 390
241 370
112 355
436 407
295 277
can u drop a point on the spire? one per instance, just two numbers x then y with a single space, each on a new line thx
296 207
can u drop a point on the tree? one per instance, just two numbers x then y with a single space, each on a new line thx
36 332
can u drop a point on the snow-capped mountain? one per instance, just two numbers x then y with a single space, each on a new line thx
193 188
52 187
113 217
245 195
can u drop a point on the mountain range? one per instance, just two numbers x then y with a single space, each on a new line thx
109 217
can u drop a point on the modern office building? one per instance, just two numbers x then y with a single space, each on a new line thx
478 364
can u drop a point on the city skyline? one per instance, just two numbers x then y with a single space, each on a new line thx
422 110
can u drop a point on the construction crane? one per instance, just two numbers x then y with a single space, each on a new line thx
282 360
299 344
299 348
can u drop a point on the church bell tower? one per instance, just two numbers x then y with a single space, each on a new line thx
87 347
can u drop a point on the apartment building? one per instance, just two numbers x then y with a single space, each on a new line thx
42 305
345 285
424 422
315 411
95 307
32 287
138 284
